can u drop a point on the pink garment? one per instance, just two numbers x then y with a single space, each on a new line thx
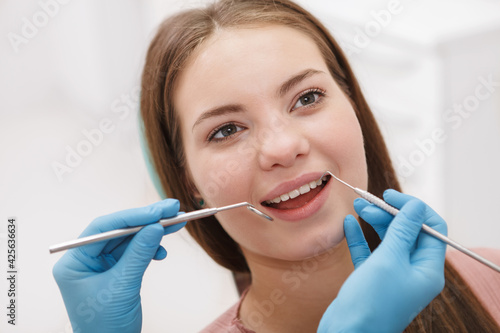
229 321
484 282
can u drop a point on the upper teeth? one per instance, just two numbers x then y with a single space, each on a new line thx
295 193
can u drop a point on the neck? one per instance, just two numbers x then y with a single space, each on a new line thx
292 296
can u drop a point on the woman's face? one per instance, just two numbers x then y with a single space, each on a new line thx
261 120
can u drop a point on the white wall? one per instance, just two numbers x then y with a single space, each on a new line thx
82 66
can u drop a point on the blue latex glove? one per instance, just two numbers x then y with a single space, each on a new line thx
390 286
100 283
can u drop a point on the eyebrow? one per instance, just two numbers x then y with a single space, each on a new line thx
219 111
296 79
235 108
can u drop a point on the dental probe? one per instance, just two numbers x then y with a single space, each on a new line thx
197 214
393 211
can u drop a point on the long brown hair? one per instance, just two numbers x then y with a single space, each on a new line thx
456 309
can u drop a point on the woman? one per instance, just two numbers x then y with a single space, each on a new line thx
254 101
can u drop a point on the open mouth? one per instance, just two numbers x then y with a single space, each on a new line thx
298 197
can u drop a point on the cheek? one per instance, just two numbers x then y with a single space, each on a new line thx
349 144
352 151
343 140
219 177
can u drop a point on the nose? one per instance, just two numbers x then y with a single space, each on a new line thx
282 148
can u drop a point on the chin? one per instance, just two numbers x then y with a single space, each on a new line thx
310 244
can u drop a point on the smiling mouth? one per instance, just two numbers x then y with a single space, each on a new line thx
298 197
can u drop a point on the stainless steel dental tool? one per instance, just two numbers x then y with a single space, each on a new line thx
197 214
393 211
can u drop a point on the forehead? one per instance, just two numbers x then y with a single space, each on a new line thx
244 60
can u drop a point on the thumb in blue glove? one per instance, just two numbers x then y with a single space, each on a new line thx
100 283
390 286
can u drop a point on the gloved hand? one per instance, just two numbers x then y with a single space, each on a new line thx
100 283
390 286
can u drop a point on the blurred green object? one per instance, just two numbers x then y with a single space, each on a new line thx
153 175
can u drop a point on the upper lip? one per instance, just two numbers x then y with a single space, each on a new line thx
291 185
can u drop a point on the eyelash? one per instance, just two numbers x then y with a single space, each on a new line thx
211 135
318 91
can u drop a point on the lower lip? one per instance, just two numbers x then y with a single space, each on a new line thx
303 212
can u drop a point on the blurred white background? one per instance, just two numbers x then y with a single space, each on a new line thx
68 67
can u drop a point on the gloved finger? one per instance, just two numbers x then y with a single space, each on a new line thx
160 254
128 218
359 204
433 219
402 233
119 247
141 250
430 251
396 199
174 228
133 217
378 218
436 222
358 247
430 256
428 241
